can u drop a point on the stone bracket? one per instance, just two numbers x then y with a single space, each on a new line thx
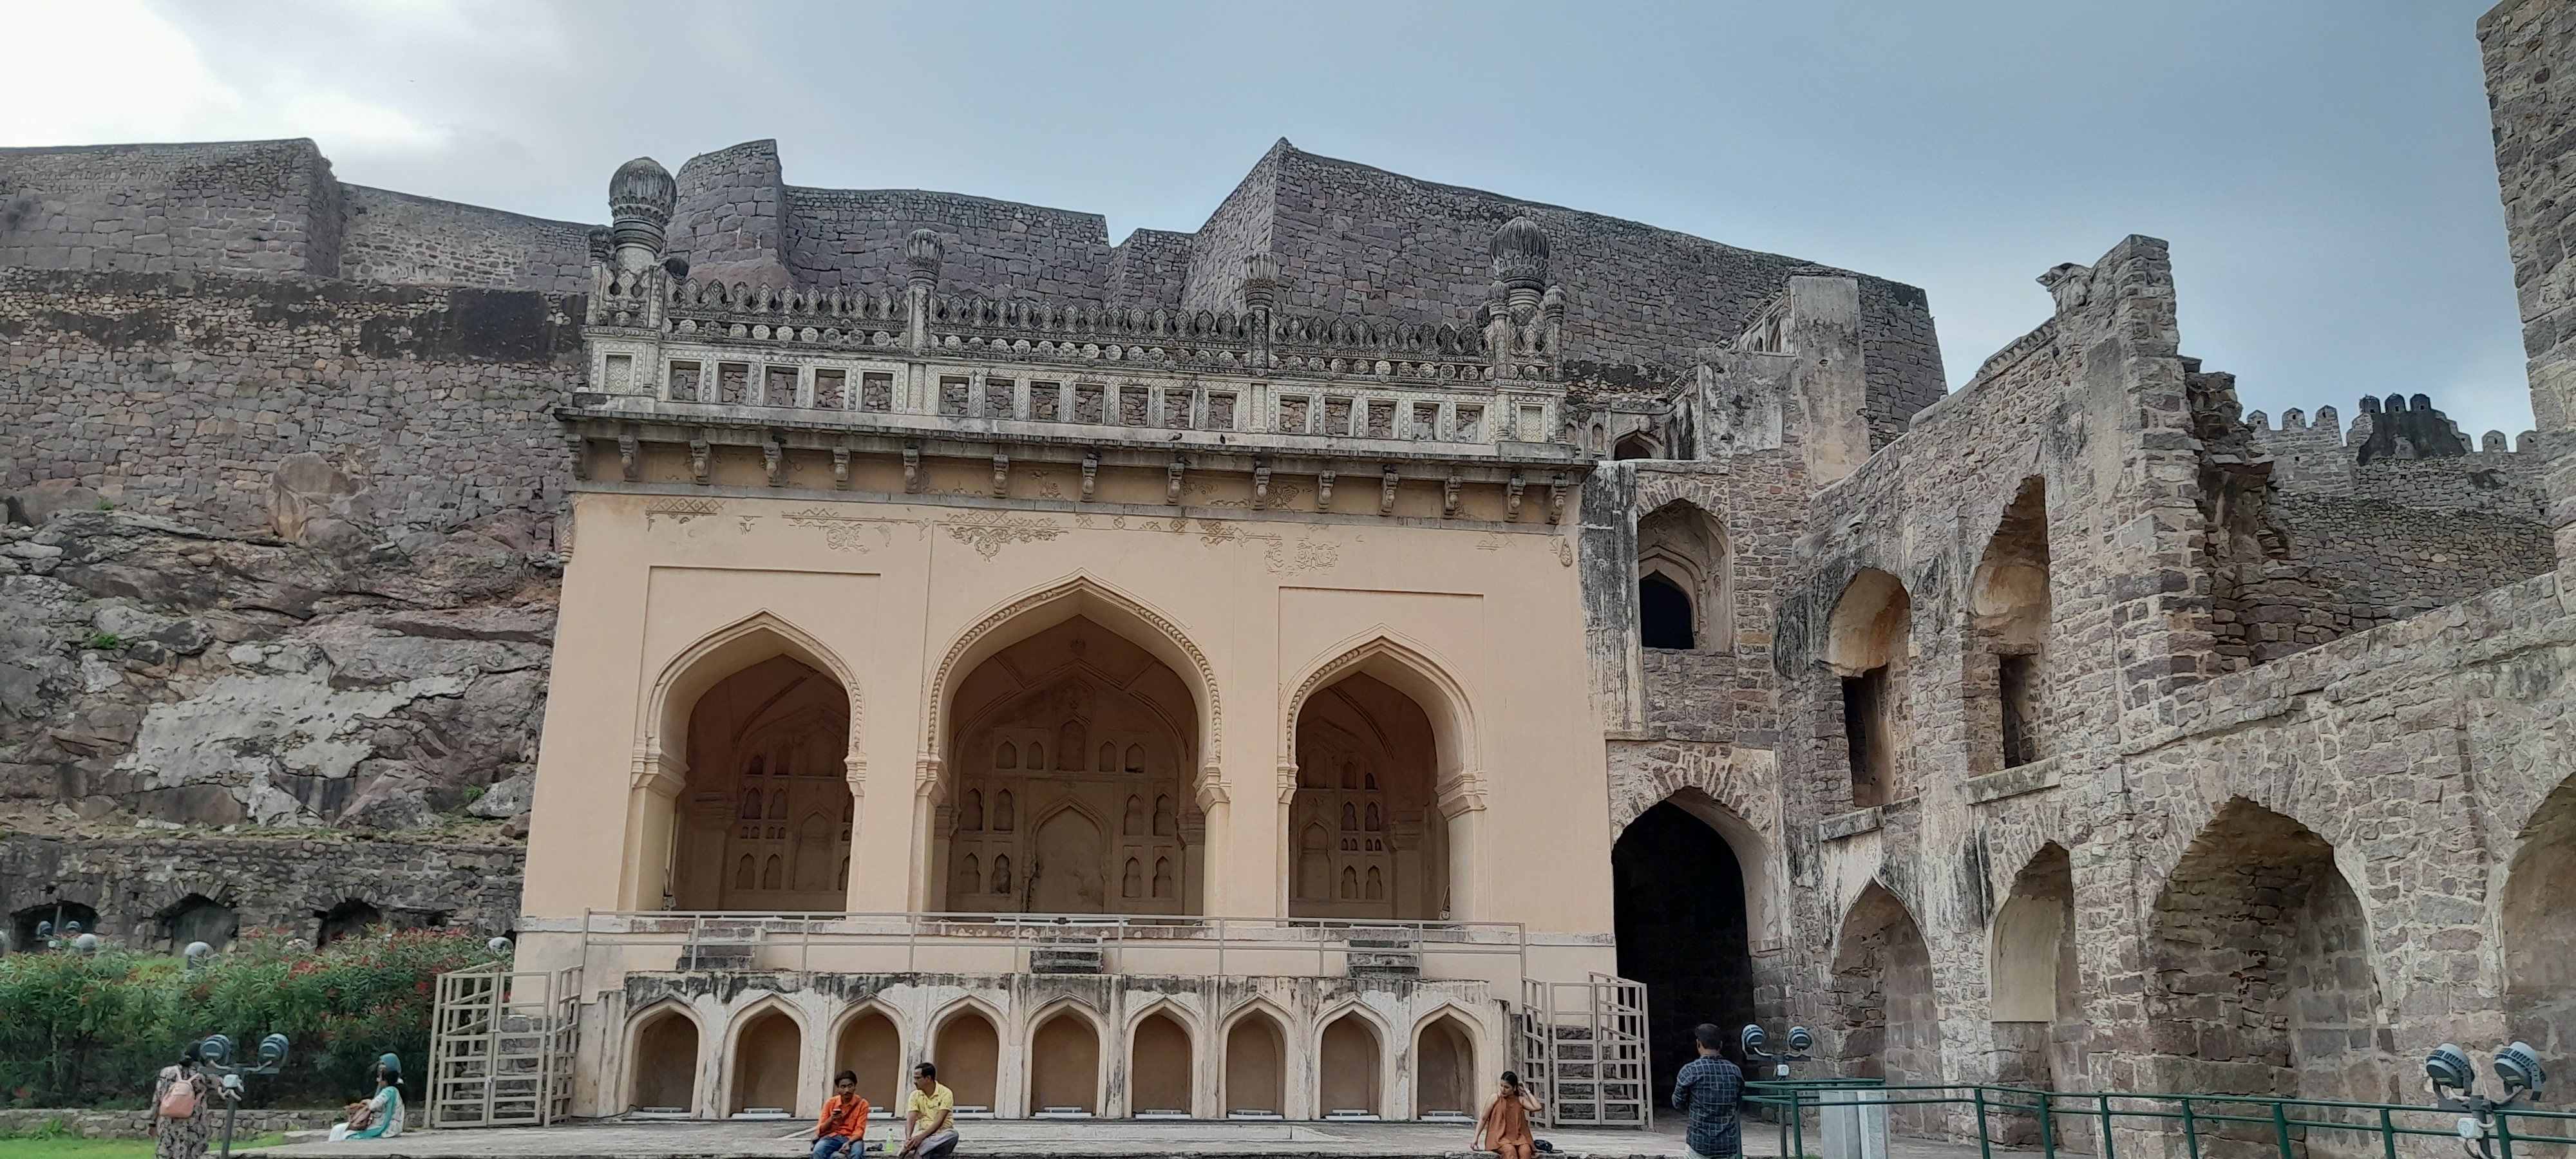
1851 824
1386 490
2013 782
1512 498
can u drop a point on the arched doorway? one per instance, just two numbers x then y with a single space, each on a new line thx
767 814
2032 994
1679 910
969 1054
1256 1067
57 916
1445 1080
2264 980
2539 929
1064 1066
1684 588
665 1064
198 918
766 1054
1159 1068
1369 837
1070 783
1890 1021
1347 1075
872 1048
350 918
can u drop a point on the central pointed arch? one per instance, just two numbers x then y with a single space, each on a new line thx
1040 610
763 635
1383 791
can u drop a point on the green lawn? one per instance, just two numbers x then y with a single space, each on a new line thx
65 1147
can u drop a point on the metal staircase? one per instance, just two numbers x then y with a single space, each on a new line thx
1583 1046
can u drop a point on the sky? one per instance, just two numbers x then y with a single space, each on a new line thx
2322 168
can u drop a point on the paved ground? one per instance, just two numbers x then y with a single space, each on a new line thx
1025 1139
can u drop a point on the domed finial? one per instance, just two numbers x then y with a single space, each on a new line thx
640 196
923 251
1520 261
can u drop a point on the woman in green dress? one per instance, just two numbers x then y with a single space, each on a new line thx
383 1113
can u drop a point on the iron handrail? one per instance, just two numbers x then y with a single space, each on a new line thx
2288 1120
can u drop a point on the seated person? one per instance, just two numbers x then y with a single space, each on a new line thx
929 1120
844 1125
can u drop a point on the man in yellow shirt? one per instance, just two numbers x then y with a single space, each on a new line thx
929 1120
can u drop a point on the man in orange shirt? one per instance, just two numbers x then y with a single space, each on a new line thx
845 1120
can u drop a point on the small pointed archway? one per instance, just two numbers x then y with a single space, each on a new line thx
1256 1066
768 1053
1890 1024
871 1046
1680 912
1867 646
2539 928
1160 1066
662 1063
968 1051
1446 1079
1064 1064
1350 1057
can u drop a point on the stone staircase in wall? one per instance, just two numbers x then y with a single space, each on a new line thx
1384 958
1066 955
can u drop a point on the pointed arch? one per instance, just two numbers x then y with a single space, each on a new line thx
1446 1051
764 1067
1882 977
1253 1061
1350 1046
1086 596
1409 668
1064 1065
878 1060
964 1064
723 652
662 1063
1161 1047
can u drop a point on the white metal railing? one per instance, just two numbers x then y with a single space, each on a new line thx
1010 939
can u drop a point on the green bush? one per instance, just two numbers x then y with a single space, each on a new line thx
94 1031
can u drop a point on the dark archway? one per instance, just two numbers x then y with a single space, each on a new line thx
57 915
1663 614
1680 917
350 918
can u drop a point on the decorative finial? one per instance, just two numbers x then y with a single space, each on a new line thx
640 196
924 251
1520 262
2069 283
1260 283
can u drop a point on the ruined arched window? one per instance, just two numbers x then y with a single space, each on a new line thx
751 804
1685 588
1163 877
1001 873
1166 824
1663 614
1350 775
773 873
778 805
970 874
1350 883
1007 756
1002 819
970 812
1108 757
1866 644
1132 882
1135 758
747 874
1350 816
1373 823
2008 621
1376 885
1134 825
1037 755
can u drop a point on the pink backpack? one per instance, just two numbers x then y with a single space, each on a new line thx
180 1100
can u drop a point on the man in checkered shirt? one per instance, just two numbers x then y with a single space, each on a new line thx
1709 1088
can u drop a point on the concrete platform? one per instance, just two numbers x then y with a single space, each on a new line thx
1028 1139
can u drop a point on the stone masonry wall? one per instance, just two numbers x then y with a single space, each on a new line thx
273 882
181 396
2528 48
398 239
260 208
853 239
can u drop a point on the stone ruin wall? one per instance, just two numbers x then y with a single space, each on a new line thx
280 554
2387 780
2527 47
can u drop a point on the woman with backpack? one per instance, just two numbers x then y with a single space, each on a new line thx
182 1103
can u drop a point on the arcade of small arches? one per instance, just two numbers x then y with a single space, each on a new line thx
1073 742
1110 1053
2261 975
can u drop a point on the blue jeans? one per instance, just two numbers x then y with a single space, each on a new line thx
830 1145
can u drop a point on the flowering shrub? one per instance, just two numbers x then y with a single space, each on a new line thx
78 1031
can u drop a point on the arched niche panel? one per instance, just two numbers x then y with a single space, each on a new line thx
871 1046
1160 1069
663 1066
1446 1079
1064 1065
767 1052
1256 1066
1071 763
1365 820
968 1051
766 821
